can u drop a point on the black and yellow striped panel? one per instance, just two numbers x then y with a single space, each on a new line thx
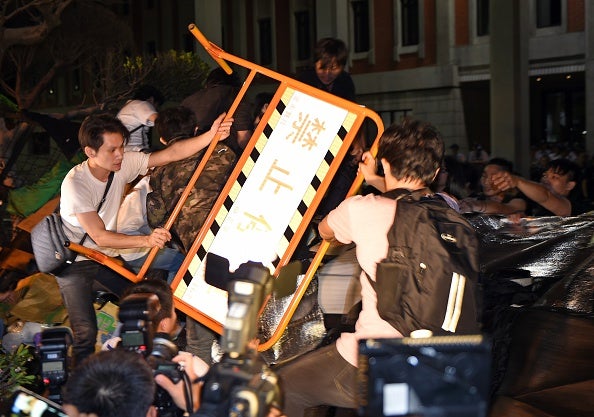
303 206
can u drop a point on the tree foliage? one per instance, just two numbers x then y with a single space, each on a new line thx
41 40
14 370
176 74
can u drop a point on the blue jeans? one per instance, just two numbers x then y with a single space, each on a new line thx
78 283
167 259
321 377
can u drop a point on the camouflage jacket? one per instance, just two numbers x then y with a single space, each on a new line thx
168 183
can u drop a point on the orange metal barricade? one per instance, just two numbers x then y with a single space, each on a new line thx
288 89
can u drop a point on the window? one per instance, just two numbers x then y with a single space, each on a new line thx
408 28
482 17
409 22
303 30
360 26
265 41
548 13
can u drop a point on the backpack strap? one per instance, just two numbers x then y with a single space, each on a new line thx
398 193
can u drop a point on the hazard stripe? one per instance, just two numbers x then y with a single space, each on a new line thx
315 184
455 299
307 199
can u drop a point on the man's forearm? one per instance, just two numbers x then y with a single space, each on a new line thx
533 190
116 240
183 149
560 206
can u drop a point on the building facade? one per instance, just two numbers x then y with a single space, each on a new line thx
505 74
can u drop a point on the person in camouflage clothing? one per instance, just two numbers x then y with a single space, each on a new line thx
168 183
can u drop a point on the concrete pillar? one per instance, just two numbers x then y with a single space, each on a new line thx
325 18
444 14
510 97
589 76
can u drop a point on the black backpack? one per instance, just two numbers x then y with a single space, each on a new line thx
429 278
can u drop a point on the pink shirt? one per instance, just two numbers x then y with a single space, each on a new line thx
365 220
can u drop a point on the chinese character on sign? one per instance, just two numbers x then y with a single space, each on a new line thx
278 182
306 131
255 223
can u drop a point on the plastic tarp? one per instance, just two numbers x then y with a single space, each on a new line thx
538 299
26 200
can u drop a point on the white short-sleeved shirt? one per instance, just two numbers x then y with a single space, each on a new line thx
365 220
135 114
132 218
81 192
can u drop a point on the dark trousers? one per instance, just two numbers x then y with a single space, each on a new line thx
321 377
78 283
199 339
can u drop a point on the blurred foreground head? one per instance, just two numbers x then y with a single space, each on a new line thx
114 383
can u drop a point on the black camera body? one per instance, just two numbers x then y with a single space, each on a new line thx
53 354
241 384
136 314
242 387
160 359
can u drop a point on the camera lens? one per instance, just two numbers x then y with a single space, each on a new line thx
164 348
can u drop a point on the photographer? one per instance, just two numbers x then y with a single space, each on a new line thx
111 384
119 383
153 299
163 326
165 320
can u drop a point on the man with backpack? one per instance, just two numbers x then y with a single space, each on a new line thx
410 154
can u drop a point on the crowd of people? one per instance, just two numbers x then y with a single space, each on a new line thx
411 156
559 187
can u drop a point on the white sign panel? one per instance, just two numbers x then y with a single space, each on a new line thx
270 195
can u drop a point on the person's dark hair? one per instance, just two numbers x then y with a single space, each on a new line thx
503 163
145 92
413 148
115 383
94 126
218 76
329 49
176 122
463 178
259 101
163 292
564 166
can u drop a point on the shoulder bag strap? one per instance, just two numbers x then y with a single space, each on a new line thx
135 129
398 193
109 181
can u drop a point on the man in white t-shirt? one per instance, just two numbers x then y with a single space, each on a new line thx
139 114
411 155
102 138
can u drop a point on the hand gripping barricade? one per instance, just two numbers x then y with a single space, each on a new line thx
270 197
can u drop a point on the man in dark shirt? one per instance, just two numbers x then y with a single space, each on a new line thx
328 74
215 98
